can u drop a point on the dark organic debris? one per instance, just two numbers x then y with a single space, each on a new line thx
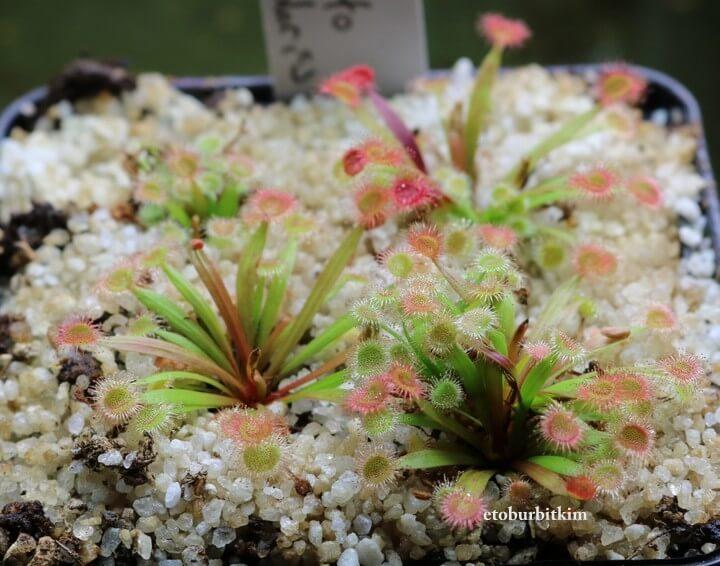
88 447
685 539
25 232
194 555
255 541
302 421
70 548
194 483
113 520
6 340
302 486
83 78
80 363
4 541
137 473
25 517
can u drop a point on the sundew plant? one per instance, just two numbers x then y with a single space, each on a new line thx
449 350
215 348
190 184
511 201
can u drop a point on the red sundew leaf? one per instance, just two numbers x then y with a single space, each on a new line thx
497 358
398 128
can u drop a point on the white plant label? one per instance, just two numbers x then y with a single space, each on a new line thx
308 40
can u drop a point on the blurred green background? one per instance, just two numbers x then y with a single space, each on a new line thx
185 37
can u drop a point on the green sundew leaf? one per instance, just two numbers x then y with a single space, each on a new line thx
160 348
207 145
495 382
492 215
430 368
505 310
211 185
497 338
565 134
546 186
292 334
557 234
558 464
228 202
198 201
200 305
247 277
475 481
151 213
568 387
539 402
334 395
431 458
179 340
182 376
270 311
256 303
326 338
534 381
448 424
536 201
327 388
177 213
594 437
184 409
519 430
479 105
176 318
465 368
452 209
549 480
417 419
187 397
276 295
327 382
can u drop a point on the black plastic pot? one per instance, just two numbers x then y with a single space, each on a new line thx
664 93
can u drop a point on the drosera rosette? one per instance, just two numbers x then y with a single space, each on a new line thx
76 333
680 372
645 190
183 183
617 87
403 182
258 439
216 351
124 400
376 465
384 191
355 87
506 396
460 502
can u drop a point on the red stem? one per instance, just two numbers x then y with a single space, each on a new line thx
398 128
332 363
